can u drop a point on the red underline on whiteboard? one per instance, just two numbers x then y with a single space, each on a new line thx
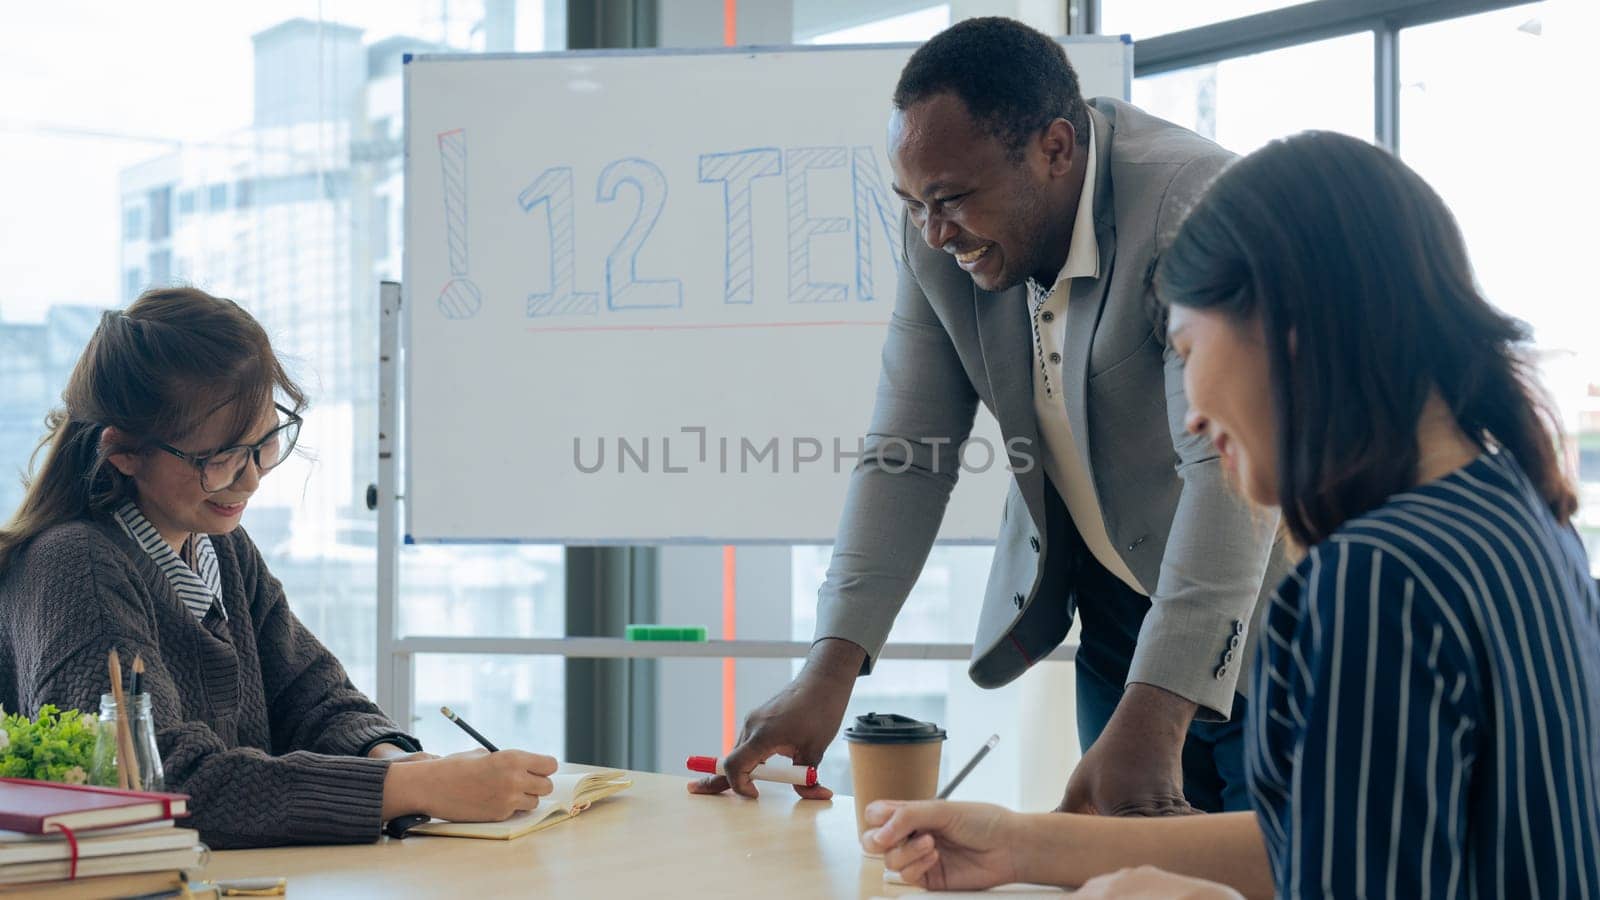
718 327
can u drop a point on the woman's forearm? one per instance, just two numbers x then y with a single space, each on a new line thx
1065 849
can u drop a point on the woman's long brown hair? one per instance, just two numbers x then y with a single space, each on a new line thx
154 372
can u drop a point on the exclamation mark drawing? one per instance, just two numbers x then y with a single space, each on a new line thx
460 298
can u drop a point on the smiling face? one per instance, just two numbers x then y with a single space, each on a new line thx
1226 376
168 489
1004 219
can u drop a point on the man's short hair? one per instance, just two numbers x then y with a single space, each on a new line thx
1014 80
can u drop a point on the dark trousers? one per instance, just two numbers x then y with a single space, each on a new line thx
1111 613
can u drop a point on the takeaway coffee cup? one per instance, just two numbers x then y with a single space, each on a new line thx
892 757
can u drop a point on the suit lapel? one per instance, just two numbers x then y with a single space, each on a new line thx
1006 338
1088 296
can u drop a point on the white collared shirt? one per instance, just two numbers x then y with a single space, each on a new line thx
1062 461
200 590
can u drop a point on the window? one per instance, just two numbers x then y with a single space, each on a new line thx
380 228
823 23
1494 74
161 213
1148 18
132 285
299 262
514 701
1245 102
133 223
160 268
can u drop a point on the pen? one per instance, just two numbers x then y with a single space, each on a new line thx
971 764
801 775
469 729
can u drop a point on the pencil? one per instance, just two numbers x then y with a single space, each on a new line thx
138 677
469 729
127 764
971 764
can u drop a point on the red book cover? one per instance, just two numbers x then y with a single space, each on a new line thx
35 807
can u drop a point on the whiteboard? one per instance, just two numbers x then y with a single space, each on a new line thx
646 292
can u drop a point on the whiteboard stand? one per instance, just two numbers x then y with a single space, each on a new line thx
396 656
394 674
505 104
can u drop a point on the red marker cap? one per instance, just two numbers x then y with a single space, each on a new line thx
801 775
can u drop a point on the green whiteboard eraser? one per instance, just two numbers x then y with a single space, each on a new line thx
666 632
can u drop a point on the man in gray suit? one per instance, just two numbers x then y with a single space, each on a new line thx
1040 217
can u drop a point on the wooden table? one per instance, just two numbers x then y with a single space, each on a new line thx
652 840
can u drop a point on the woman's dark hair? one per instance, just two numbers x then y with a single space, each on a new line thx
1360 279
155 373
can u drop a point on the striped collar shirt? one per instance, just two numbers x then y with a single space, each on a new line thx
200 587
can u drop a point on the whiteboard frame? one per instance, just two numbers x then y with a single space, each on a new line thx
405 373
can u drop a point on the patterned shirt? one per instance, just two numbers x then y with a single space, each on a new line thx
1064 461
200 587
1425 719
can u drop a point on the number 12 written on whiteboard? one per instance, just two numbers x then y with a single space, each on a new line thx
554 191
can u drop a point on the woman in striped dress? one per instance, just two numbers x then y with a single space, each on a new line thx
1426 711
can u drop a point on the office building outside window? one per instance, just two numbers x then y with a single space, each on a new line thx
265 195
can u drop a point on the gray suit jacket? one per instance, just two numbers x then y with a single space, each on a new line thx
1201 553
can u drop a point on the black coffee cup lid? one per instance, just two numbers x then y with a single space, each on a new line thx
891 728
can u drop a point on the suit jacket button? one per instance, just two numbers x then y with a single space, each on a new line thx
1018 600
1034 543
1221 671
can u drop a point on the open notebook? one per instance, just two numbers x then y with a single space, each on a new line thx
573 793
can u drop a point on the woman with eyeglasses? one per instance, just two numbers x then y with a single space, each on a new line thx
1425 707
128 538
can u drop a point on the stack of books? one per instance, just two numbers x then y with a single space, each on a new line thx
62 841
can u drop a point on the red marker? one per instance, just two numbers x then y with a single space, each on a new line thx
802 775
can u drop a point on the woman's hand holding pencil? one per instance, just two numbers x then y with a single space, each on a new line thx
476 786
486 785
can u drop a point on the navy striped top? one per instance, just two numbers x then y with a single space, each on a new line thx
1426 711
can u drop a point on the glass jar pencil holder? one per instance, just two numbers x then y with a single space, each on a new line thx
142 732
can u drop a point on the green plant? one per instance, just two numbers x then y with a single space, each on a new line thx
58 746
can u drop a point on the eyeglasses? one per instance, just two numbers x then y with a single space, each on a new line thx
220 469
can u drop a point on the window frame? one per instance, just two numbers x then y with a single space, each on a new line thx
1304 24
